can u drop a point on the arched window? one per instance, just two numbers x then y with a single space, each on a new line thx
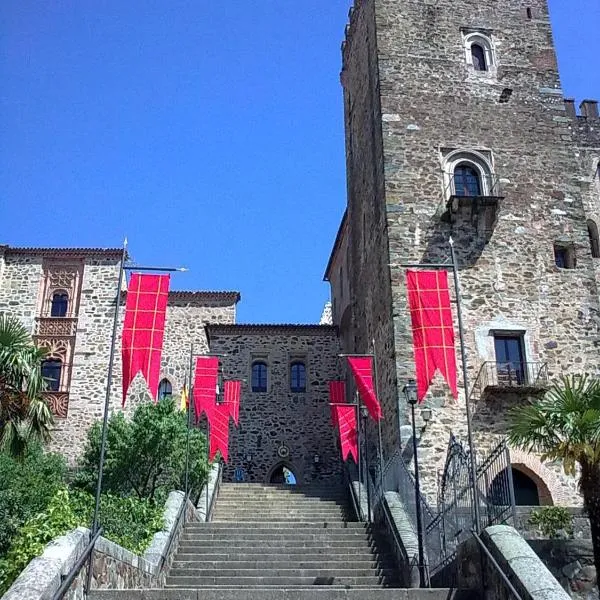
298 377
478 58
467 180
165 389
60 304
259 376
51 372
594 239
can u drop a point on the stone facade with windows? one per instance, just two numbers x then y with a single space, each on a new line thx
456 127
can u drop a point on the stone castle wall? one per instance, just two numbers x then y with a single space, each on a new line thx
430 102
268 421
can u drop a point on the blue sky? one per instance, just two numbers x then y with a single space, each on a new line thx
209 133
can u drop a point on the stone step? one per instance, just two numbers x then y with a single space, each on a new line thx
272 526
285 547
233 575
273 512
367 562
282 582
279 535
266 593
259 499
266 555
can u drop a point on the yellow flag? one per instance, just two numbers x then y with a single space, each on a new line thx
184 399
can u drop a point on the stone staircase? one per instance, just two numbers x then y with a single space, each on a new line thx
280 542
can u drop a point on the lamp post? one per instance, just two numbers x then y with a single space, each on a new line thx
410 392
364 414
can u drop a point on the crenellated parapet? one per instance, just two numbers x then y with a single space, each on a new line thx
586 124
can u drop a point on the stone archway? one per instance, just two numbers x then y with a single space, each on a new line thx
277 474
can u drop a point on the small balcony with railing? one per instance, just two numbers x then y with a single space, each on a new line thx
517 378
57 377
56 326
473 197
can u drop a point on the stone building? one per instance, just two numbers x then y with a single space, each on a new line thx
456 126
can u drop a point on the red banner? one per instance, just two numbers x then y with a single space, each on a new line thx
143 329
362 369
218 432
205 385
433 329
337 395
345 416
232 392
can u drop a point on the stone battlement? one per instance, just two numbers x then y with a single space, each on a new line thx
588 109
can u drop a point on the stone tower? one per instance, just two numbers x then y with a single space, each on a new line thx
456 126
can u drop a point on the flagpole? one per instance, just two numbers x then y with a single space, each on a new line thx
122 268
189 414
473 461
111 360
378 422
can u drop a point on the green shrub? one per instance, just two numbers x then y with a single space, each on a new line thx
27 485
145 456
57 519
130 522
551 520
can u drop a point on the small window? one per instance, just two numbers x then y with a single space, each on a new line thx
298 377
467 181
564 256
51 372
259 377
594 240
165 389
478 56
60 304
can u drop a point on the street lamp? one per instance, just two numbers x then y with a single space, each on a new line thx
410 392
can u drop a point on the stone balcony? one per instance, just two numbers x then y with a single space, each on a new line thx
520 378
56 326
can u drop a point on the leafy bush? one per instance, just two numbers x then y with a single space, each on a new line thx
57 519
26 488
130 522
551 520
145 456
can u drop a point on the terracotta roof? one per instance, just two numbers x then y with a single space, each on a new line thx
336 245
268 328
85 252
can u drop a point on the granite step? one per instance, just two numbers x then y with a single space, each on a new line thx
282 582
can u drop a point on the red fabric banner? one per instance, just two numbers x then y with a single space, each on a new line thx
337 395
143 329
205 385
232 392
218 433
345 415
433 329
362 369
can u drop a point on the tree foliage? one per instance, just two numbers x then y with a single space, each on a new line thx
565 426
145 456
23 413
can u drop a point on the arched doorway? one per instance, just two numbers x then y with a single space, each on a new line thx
527 492
282 474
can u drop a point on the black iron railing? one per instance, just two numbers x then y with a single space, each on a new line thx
470 187
511 376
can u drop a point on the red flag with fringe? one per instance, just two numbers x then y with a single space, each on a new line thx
345 416
143 329
362 369
337 395
433 328
232 392
205 385
218 419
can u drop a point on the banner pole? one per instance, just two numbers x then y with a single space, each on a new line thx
379 421
111 360
473 461
189 415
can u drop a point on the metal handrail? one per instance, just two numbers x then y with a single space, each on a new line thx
355 500
496 566
180 512
70 577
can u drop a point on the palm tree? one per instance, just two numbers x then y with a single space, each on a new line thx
565 426
23 413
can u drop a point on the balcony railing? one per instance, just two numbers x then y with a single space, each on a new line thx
56 326
472 192
515 377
